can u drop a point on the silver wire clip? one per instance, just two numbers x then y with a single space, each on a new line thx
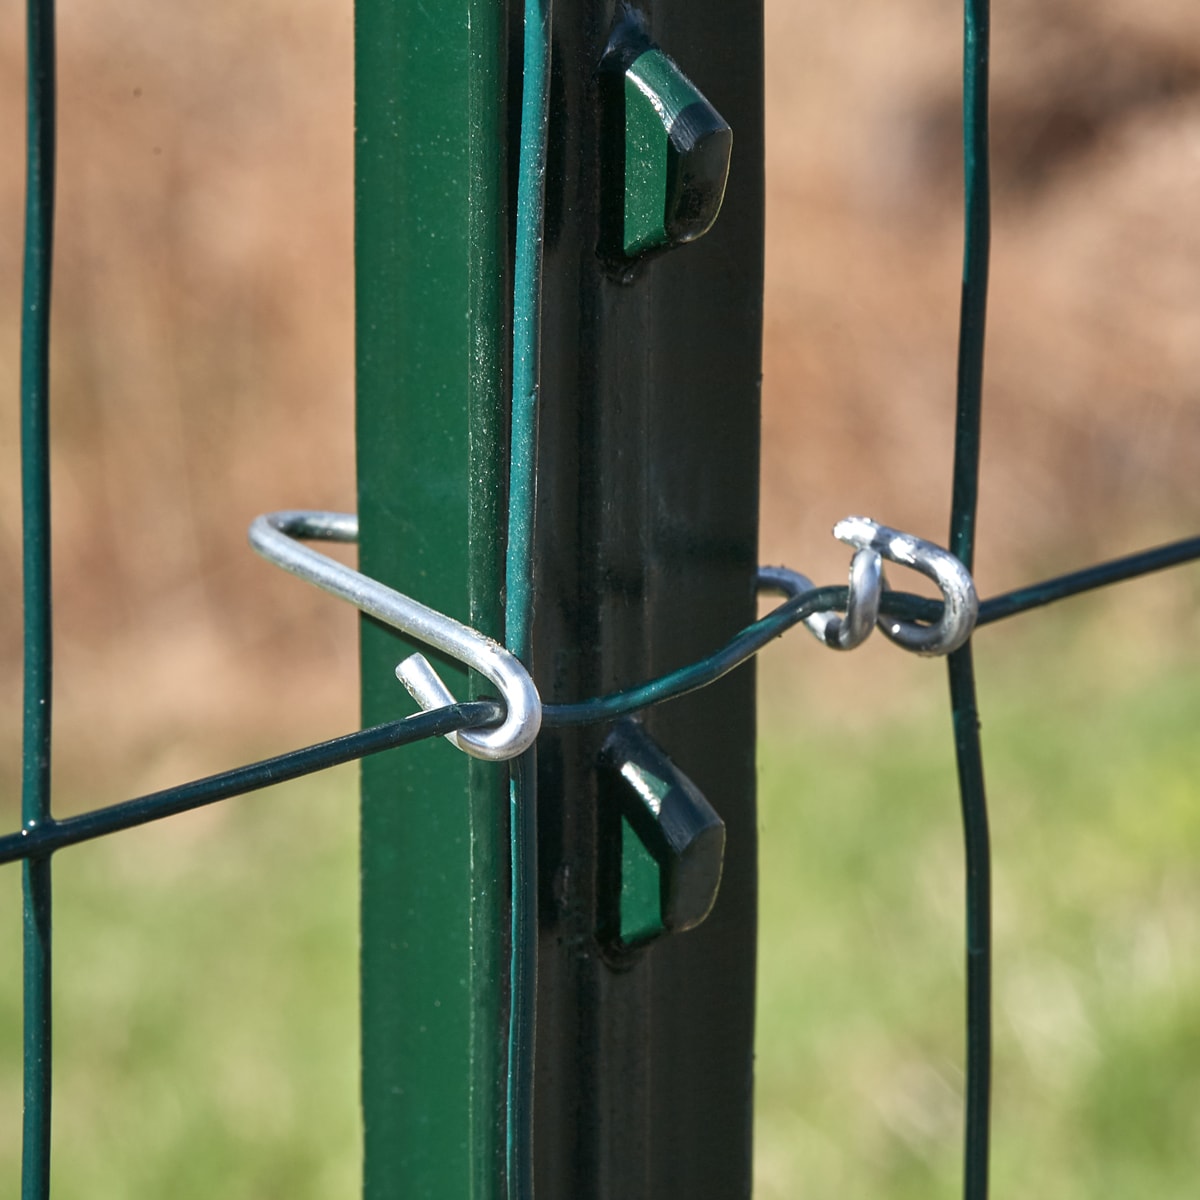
274 537
873 543
960 602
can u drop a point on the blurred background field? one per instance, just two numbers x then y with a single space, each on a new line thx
203 374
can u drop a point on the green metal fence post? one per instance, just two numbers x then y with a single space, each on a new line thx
431 304
644 558
646 552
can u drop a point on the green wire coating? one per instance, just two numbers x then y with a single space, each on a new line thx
54 835
527 316
964 507
753 638
35 504
522 1021
1117 570
519 587
973 310
700 674
969 762
41 834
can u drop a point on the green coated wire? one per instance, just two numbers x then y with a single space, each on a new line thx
977 852
753 638
964 707
519 588
1117 570
41 835
527 315
522 1020
973 310
84 827
690 678
35 506
54 835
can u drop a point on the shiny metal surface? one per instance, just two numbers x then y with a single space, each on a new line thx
961 603
862 607
873 543
274 537
427 688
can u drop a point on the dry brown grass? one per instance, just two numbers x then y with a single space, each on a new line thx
203 329
1092 414
203 372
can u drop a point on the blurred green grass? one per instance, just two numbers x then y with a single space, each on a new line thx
206 1004
1093 774
206 1037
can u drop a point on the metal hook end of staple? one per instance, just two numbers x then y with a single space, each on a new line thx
425 686
275 535
429 690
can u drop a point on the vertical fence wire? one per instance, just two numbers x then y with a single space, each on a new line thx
35 512
969 755
519 584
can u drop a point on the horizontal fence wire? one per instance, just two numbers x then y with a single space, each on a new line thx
905 605
50 835
1061 587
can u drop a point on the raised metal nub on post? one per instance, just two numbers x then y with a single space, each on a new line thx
274 537
667 149
671 865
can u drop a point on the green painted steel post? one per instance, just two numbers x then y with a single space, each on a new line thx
646 553
645 557
432 287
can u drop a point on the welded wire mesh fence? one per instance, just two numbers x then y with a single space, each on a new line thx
41 834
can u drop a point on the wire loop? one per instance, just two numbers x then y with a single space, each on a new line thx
862 605
960 601
274 537
873 543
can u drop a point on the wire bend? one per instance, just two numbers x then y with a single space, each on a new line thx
961 603
274 537
873 543
863 598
